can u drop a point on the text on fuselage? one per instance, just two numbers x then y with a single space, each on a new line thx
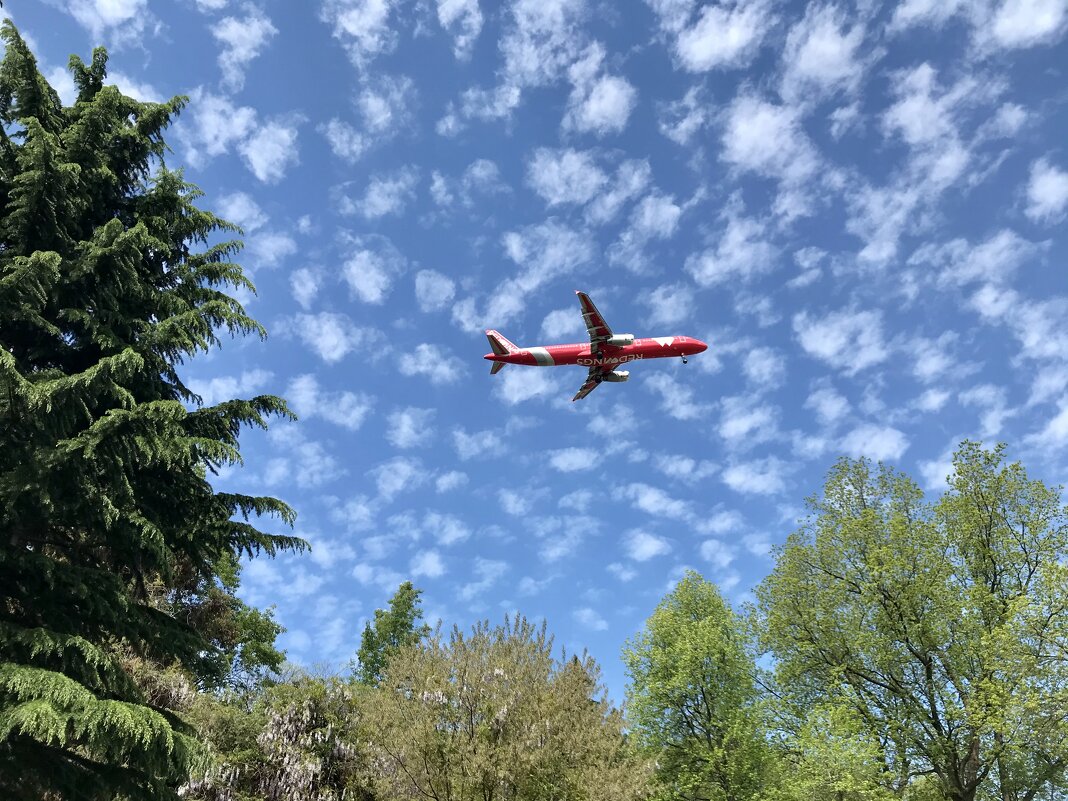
587 361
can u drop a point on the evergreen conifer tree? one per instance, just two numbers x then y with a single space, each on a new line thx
110 277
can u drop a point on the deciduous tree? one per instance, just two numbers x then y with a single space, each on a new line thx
493 715
693 699
941 627
392 628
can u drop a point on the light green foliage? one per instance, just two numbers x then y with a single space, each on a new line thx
115 544
299 742
831 758
492 715
392 629
942 627
692 697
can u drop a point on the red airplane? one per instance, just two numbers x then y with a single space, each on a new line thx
603 354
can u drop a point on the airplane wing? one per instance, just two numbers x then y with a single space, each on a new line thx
593 379
596 326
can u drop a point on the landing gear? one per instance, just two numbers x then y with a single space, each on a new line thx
684 360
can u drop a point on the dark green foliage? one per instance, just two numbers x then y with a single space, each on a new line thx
392 629
115 548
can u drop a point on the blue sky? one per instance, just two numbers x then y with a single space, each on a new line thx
859 205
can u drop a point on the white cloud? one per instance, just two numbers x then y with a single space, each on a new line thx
304 283
226 387
562 323
515 502
590 619
446 529
240 208
631 179
768 139
60 80
521 384
1054 434
305 463
932 400
562 176
268 249
488 572
993 261
829 405
654 501
346 409
677 399
410 427
622 572
759 476
329 335
427 563
764 367
670 304
743 423
362 26
724 36
719 553
847 340
400 474
740 253
272 149
680 120
933 13
1047 192
464 19
433 361
543 253
480 443
683 468
212 126
371 267
992 402
1026 23
642 546
541 39
345 142
449 481
821 55
881 443
599 103
655 217
571 460
433 291
118 21
241 39
388 193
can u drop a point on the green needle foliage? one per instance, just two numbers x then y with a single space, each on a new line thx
108 282
938 631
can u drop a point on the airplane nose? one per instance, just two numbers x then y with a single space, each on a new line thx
699 346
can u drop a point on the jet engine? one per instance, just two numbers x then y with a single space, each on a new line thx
620 340
616 376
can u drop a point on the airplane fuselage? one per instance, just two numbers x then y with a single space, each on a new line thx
607 356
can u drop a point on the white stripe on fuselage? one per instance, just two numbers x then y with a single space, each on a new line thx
663 341
542 357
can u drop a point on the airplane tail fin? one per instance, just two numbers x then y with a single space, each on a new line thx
497 367
499 343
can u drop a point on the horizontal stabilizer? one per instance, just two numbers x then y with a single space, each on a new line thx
497 367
